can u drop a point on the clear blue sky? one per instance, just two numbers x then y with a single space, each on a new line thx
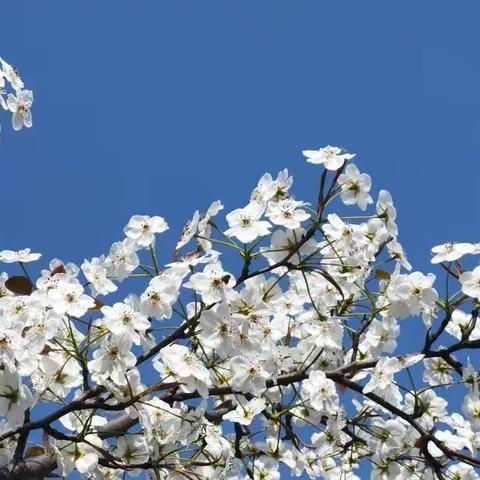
157 107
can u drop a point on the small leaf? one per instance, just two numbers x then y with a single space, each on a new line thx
382 274
34 451
19 285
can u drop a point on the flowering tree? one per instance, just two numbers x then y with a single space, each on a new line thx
273 338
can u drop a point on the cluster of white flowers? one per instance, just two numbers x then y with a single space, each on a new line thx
14 97
289 355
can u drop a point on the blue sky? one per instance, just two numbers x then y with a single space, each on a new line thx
161 107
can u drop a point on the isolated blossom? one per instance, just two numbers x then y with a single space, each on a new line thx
245 223
143 228
331 157
24 256
449 252
20 105
355 187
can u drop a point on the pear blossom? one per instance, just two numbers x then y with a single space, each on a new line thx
437 371
249 374
246 412
462 322
122 259
24 256
331 157
383 373
95 272
287 213
269 188
355 187
212 284
125 319
143 228
266 468
83 456
157 300
11 74
70 298
189 230
387 212
20 105
321 392
15 397
284 243
409 294
471 283
245 223
449 252
178 361
113 358
133 450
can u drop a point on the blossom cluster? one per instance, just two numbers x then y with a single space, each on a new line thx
14 97
270 340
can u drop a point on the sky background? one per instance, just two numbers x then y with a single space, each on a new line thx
160 108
